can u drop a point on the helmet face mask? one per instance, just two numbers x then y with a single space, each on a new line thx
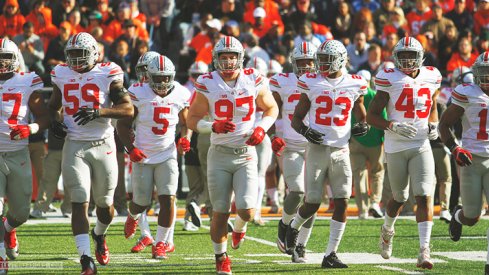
81 51
304 66
304 51
142 65
228 63
482 77
408 61
9 56
161 84
408 55
227 56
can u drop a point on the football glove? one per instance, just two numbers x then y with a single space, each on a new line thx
183 145
58 129
85 115
433 130
359 129
462 156
403 129
19 132
223 126
312 135
136 155
256 137
278 145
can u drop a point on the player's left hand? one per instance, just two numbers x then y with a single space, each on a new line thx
359 129
85 115
183 145
278 145
433 130
256 137
19 132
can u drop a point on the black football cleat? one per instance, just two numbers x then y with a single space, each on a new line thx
332 261
291 238
282 230
455 228
88 266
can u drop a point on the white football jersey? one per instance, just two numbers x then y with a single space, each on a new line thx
236 104
475 134
410 100
14 107
156 120
89 89
331 103
285 85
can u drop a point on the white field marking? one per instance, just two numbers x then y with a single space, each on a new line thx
463 237
391 268
475 256
357 258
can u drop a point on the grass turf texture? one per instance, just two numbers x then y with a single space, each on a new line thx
53 244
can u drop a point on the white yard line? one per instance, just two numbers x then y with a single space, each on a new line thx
391 268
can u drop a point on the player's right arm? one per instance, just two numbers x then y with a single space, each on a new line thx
375 109
198 109
300 112
452 114
125 130
55 104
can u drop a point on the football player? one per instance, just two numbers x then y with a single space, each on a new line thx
264 149
159 105
470 104
293 145
330 96
146 238
89 94
231 95
408 92
19 99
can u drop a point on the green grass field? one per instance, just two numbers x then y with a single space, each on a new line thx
50 249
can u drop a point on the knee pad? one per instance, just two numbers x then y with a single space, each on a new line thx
400 197
292 202
104 201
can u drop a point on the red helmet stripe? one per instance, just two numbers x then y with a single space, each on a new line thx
406 42
2 41
486 56
304 47
162 62
227 43
73 41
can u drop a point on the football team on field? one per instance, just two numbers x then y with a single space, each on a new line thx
245 113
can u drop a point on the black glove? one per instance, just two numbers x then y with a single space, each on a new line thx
312 135
359 129
85 115
58 129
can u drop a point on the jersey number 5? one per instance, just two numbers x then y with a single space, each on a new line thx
86 96
160 120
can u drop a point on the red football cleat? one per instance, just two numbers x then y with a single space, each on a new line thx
159 251
142 243
130 227
101 250
11 244
170 247
223 265
88 266
238 239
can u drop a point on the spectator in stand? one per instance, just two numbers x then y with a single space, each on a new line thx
271 41
461 17
371 34
114 29
103 8
429 47
437 25
271 9
418 16
481 17
358 51
205 55
464 57
372 5
136 14
374 60
261 26
55 53
397 23
388 46
361 19
381 15
483 41
231 28
120 56
343 22
75 18
202 42
229 10
62 10
94 20
97 33
41 18
129 35
140 49
446 46
102 57
11 20
252 49
303 12
32 49
306 35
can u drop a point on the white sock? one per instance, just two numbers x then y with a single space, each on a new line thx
298 221
7 226
286 218
100 228
134 216
144 225
220 248
457 216
487 257
424 229
273 194
304 235
239 224
162 233
389 222
336 230
82 242
261 191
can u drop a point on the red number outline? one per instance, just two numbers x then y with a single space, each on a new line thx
17 98
160 120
